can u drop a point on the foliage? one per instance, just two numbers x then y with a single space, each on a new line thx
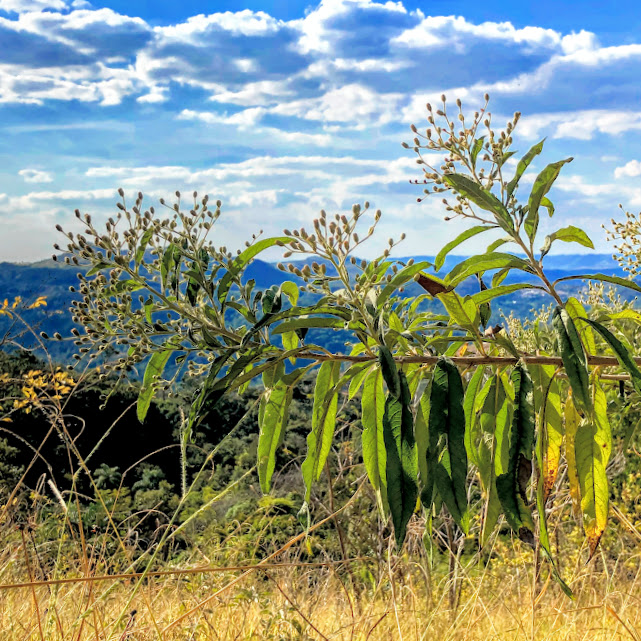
158 288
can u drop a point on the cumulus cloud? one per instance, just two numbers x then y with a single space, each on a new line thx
35 176
24 6
631 169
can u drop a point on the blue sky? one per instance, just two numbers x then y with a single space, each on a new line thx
282 108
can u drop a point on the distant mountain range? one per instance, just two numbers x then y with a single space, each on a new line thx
53 279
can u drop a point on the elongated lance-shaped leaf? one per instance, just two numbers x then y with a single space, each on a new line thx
482 198
483 263
447 454
592 446
240 262
272 421
623 353
512 485
463 311
471 393
144 241
572 420
422 435
523 164
476 150
319 439
153 371
542 185
374 455
401 459
574 359
461 238
502 290
547 400
390 372
491 445
576 311
605 278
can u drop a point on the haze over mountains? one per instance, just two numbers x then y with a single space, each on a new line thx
53 279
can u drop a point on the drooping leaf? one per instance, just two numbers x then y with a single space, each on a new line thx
512 484
272 420
155 367
374 455
593 445
468 233
430 284
523 164
481 197
401 458
542 185
623 353
319 439
390 372
471 393
605 278
576 311
421 432
574 358
572 419
447 455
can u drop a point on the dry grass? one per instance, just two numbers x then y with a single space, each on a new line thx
405 598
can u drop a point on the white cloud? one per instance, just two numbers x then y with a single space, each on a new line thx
24 6
631 169
35 176
582 125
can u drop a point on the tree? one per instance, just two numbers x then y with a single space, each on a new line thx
157 288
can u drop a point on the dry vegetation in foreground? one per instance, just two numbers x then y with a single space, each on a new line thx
292 599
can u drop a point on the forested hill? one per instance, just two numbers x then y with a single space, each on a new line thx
53 279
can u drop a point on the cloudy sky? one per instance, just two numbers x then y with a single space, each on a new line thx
283 107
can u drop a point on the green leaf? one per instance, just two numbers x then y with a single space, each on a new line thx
615 280
272 422
422 435
542 185
593 445
319 439
98 267
401 459
511 486
468 233
144 241
153 372
503 290
373 440
447 455
358 373
290 290
389 370
576 311
574 358
310 322
622 353
570 234
482 198
524 163
476 149
402 277
482 263
572 419
471 393
547 203
241 261
463 311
